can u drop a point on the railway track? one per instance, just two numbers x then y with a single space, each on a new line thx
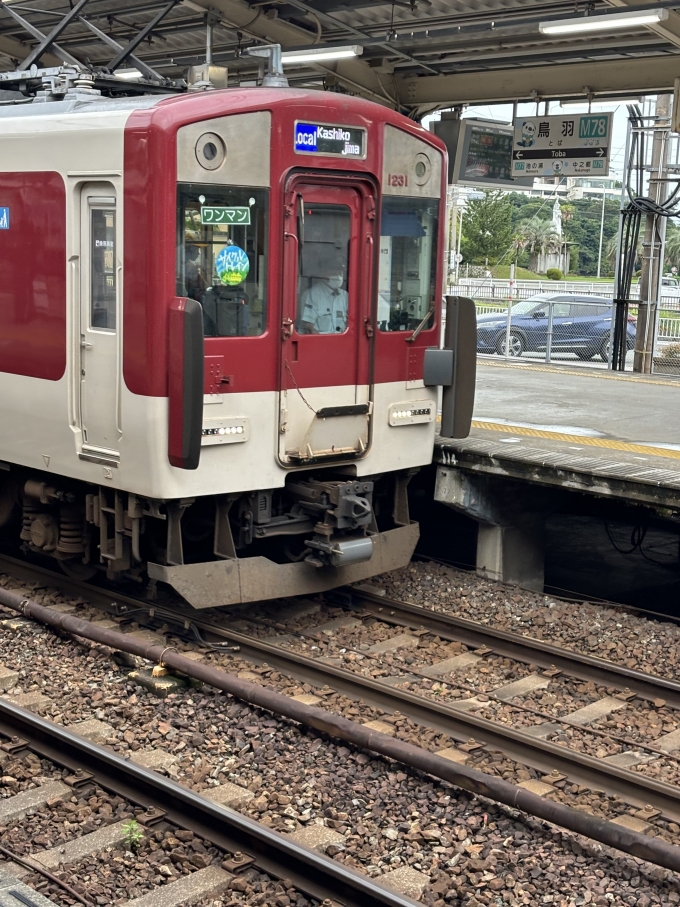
653 799
161 804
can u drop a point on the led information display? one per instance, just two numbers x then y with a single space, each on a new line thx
337 141
489 155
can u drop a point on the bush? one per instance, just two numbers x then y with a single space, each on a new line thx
669 353
554 274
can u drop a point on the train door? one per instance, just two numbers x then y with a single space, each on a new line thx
329 252
99 322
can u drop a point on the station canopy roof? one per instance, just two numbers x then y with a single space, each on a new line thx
414 55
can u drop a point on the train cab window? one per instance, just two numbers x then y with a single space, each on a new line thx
408 262
103 271
322 298
222 256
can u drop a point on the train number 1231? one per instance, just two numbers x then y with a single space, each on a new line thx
397 179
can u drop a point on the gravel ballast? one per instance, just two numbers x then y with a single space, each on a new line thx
471 851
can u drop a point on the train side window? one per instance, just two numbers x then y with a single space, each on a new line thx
103 269
222 256
408 262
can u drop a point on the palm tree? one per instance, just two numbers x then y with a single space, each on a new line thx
672 250
539 237
612 244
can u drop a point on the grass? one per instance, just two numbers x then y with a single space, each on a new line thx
502 272
590 279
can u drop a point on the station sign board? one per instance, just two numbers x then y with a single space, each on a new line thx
565 145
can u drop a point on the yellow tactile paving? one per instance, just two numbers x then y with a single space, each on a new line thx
607 443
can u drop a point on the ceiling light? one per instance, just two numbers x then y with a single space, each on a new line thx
603 22
319 54
601 103
128 75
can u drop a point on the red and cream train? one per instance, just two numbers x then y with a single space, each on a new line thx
219 322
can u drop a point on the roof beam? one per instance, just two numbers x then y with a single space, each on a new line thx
634 75
143 67
51 39
141 35
668 29
15 50
238 15
334 6
64 56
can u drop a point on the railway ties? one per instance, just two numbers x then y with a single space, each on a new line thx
333 678
217 849
601 774
457 718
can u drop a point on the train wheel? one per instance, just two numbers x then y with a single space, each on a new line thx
78 570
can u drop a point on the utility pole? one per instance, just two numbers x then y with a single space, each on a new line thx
655 237
599 254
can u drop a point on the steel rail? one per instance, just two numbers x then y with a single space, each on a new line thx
642 846
526 649
632 787
461 725
274 853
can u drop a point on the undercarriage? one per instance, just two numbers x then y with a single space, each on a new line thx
321 530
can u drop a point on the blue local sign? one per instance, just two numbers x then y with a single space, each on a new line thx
339 141
4 218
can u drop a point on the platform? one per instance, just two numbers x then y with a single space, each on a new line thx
560 429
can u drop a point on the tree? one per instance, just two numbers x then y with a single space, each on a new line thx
487 228
583 230
672 250
537 236
581 223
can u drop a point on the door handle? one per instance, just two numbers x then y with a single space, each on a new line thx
85 345
286 328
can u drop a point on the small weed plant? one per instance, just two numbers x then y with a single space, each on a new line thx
132 835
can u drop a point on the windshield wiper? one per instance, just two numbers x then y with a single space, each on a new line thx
430 313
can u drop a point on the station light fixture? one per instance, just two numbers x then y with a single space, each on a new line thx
601 103
585 24
321 54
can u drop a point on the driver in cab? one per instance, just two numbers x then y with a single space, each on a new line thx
324 305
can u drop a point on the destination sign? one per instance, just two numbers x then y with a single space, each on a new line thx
574 145
335 141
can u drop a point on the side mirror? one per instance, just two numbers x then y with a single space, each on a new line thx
454 367
538 315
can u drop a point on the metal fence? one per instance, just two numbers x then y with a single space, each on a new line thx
574 330
502 290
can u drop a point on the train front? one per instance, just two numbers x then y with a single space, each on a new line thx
309 267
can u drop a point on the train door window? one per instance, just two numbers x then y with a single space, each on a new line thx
322 297
408 262
222 256
103 264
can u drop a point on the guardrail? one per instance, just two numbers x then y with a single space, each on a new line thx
501 289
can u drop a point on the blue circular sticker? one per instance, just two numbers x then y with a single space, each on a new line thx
232 265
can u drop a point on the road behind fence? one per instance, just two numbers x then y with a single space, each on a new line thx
563 330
